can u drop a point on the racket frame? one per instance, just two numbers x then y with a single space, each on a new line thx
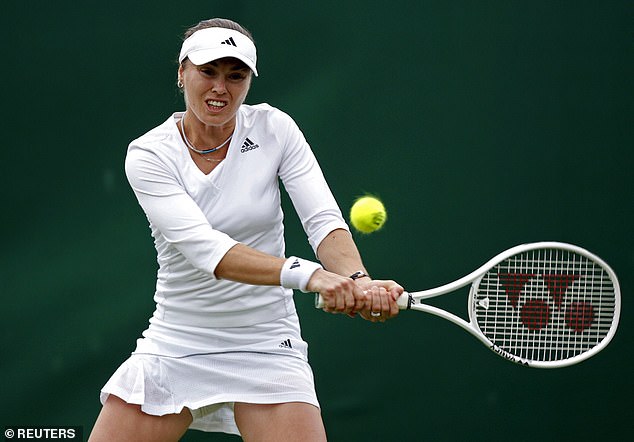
414 301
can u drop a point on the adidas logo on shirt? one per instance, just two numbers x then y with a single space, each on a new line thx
229 41
286 344
248 145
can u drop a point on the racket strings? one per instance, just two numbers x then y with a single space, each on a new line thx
545 304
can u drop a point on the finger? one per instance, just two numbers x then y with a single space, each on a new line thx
376 310
331 304
350 299
394 309
393 287
393 292
385 301
350 294
341 301
385 304
361 298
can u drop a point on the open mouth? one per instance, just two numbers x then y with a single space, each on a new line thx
216 105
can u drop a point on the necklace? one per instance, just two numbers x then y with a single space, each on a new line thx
212 160
204 151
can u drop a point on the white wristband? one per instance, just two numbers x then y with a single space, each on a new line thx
296 273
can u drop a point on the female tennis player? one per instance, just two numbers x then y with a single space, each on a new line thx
223 350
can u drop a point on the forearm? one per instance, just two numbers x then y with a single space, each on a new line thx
245 264
339 254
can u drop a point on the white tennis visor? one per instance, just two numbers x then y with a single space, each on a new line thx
211 44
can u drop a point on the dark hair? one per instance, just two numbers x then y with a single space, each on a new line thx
218 23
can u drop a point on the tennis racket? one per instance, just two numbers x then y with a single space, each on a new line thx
544 305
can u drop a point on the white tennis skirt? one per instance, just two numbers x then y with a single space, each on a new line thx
273 370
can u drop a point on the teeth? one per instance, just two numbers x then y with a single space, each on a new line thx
216 103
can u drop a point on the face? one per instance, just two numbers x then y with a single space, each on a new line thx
214 91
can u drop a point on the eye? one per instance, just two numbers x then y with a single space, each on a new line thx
237 76
208 71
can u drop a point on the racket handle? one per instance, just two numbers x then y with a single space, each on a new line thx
404 301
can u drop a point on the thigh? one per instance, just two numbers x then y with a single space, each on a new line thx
121 421
285 422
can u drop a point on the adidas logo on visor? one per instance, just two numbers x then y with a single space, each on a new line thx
229 41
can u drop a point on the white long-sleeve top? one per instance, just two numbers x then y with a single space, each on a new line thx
196 218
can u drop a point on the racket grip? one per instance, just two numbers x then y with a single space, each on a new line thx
404 301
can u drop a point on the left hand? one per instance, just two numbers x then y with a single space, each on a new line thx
381 304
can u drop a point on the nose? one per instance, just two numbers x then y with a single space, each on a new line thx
219 85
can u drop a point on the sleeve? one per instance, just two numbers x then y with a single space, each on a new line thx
173 212
304 181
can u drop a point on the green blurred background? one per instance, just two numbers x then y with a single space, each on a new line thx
481 124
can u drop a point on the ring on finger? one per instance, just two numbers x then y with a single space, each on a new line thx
375 314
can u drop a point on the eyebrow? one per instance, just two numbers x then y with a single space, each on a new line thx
237 66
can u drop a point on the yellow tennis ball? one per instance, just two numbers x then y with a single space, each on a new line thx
367 214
